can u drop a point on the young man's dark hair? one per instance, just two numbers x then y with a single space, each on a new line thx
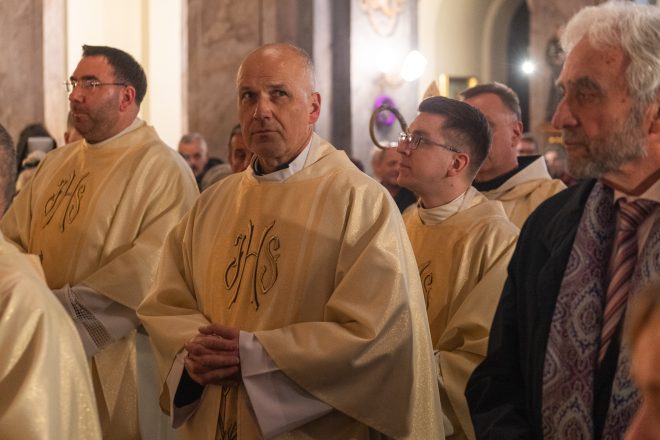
466 127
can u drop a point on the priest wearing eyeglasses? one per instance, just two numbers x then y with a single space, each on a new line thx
462 242
96 213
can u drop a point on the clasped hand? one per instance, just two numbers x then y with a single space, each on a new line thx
213 356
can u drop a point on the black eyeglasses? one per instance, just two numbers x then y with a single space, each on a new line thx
88 84
413 141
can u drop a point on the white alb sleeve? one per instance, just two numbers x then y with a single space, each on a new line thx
279 404
100 321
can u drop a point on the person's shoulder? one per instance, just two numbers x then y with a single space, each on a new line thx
557 216
551 186
22 285
570 197
490 217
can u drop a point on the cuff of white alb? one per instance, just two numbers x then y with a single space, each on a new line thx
280 405
179 415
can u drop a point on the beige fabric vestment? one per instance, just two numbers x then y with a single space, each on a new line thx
45 388
320 269
527 189
462 263
97 217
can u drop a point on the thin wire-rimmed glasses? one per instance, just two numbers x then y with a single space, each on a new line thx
412 141
88 84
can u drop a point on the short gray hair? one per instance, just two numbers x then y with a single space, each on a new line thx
193 138
632 27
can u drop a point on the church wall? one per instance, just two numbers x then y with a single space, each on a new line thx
22 68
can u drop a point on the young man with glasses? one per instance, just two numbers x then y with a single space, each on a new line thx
96 213
462 242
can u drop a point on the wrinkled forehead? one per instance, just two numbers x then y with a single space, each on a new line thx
605 64
274 66
95 66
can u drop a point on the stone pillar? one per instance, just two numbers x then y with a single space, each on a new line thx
219 34
33 69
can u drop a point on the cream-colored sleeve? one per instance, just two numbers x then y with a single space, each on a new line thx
127 276
45 383
464 344
170 313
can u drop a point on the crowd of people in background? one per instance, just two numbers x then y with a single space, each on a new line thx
480 285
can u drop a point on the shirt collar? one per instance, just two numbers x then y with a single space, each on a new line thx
433 216
523 162
652 193
289 170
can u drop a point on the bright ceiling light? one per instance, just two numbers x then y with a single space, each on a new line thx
528 67
413 66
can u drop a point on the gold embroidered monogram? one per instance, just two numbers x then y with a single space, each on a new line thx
264 272
227 426
69 193
427 280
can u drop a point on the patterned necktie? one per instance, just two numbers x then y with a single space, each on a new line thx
631 215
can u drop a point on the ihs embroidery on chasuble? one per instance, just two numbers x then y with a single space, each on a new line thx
427 280
254 262
64 204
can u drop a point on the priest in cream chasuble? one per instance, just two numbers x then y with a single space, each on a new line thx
318 267
521 183
462 243
45 385
96 213
96 217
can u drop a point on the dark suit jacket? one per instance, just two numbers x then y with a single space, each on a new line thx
504 392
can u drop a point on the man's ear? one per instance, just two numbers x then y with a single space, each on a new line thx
457 166
315 107
127 97
517 130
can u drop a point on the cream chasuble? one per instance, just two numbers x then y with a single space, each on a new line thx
97 216
45 388
320 269
462 263
527 189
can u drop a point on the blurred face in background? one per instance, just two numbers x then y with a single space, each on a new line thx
195 155
389 167
239 156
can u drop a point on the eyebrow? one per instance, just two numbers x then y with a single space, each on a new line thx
84 77
583 82
587 83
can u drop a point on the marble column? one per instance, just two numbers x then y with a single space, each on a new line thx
219 34
23 76
32 72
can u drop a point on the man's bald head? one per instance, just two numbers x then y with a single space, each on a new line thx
277 104
292 54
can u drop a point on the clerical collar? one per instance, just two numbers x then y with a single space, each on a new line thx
286 170
523 162
434 216
137 122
